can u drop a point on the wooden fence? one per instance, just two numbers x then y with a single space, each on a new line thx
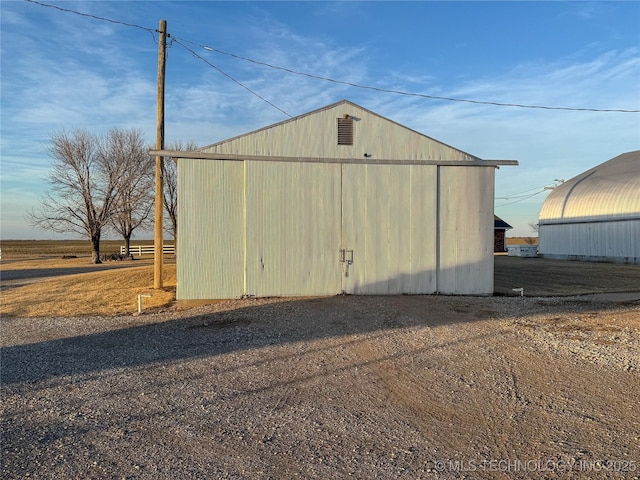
148 249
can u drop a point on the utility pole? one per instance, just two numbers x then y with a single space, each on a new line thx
159 205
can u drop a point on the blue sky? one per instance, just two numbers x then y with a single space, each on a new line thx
61 70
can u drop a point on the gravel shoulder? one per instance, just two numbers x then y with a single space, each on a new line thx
332 387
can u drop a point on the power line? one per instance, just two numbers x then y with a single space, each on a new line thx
229 76
516 201
519 194
152 31
411 94
327 79
95 17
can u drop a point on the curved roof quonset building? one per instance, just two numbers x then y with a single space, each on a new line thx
595 216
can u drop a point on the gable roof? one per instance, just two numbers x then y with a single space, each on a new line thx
409 144
499 224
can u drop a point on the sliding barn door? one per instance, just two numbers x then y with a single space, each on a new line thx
465 263
293 229
388 229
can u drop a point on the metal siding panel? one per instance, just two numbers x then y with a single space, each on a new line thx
399 243
466 230
389 222
377 229
210 230
612 241
366 227
354 226
293 228
423 228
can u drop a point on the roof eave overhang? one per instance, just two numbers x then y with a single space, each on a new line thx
197 155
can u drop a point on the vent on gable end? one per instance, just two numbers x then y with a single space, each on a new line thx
345 130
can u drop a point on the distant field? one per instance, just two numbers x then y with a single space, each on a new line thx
522 241
57 248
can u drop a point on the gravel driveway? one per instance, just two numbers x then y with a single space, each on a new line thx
363 387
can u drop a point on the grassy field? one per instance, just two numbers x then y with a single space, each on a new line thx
108 292
56 248
110 288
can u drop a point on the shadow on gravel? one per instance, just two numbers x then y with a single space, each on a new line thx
216 333
244 328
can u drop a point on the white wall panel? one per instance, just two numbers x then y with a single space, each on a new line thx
613 241
466 230
293 228
423 229
388 218
210 257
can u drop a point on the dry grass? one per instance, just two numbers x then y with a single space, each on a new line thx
45 263
522 240
111 292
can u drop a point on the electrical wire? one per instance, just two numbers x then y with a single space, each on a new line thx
400 92
173 39
522 199
520 194
319 77
95 17
229 76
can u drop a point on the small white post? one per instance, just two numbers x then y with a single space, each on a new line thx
521 290
140 295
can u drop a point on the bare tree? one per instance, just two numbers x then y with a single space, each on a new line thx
84 185
134 199
170 169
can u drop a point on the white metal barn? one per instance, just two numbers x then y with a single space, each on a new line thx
339 200
596 215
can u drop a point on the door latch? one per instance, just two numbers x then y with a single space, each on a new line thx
346 257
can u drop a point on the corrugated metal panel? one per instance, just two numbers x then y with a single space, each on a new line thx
388 218
210 230
293 228
298 216
316 135
609 191
608 241
465 230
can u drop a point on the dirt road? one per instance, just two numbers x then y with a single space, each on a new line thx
363 387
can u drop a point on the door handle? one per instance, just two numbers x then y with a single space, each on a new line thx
346 256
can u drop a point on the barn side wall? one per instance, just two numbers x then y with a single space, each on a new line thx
603 241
